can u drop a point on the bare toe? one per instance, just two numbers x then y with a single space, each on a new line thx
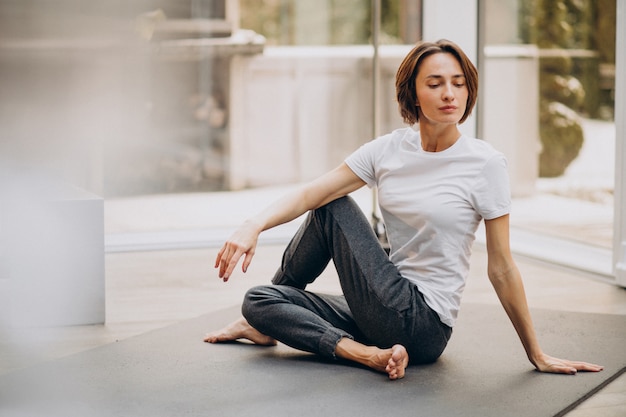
397 363
239 329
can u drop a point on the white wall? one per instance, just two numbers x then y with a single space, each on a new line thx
457 21
510 114
297 112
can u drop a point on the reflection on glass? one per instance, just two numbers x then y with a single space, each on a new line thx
334 22
575 43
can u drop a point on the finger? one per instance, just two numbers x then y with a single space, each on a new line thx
224 261
583 366
219 256
587 367
220 261
247 261
561 369
232 263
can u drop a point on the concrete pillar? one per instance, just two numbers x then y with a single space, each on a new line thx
619 233
510 116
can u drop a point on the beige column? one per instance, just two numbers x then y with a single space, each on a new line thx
619 224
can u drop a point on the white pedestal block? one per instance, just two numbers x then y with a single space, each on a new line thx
53 256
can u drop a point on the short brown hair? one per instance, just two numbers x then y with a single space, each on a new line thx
407 73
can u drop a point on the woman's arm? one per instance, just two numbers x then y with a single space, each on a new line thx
507 281
330 186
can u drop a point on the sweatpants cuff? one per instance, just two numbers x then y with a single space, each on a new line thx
329 341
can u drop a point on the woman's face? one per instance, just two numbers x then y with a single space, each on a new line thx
441 90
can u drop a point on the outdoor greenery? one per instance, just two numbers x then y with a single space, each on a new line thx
311 22
574 37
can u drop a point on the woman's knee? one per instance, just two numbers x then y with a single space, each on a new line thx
342 203
258 299
253 297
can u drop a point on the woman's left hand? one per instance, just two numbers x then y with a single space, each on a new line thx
547 363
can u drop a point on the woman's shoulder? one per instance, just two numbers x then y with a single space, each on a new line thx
482 148
397 137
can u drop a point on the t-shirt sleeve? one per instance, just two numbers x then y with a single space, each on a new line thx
492 193
362 161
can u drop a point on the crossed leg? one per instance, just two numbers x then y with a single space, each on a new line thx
379 300
392 361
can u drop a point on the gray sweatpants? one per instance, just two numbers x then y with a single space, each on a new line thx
378 306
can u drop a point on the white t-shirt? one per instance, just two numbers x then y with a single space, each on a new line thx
432 203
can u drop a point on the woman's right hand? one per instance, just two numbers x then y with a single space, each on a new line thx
334 184
242 243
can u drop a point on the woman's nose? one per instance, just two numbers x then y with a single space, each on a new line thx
448 93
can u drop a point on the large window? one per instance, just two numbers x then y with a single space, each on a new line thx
158 97
571 45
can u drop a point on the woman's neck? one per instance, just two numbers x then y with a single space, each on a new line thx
438 138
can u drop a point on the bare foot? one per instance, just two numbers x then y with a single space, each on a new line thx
397 362
392 361
239 329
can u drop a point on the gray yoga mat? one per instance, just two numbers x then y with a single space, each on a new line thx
171 372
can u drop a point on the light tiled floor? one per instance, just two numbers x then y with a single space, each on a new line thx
610 402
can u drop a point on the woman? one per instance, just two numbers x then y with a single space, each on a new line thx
435 186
